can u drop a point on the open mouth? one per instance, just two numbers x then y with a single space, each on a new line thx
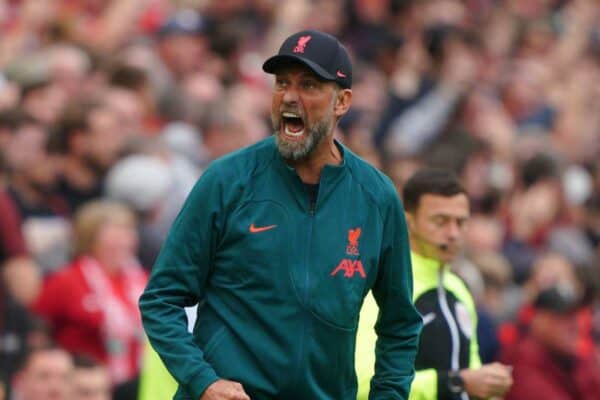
293 125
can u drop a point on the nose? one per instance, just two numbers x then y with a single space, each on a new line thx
290 96
454 231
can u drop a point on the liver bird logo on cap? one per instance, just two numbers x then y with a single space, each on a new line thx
302 42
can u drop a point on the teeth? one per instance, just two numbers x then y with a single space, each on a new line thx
295 134
290 115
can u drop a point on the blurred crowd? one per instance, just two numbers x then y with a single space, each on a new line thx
110 110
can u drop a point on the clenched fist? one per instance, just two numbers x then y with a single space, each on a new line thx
490 380
225 390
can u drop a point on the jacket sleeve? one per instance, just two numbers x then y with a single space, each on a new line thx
398 324
178 279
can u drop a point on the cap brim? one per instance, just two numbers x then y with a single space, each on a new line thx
272 64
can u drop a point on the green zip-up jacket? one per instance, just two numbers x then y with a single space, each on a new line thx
280 280
449 337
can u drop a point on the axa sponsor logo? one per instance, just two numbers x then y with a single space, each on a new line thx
347 265
350 267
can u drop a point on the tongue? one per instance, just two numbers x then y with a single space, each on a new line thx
294 125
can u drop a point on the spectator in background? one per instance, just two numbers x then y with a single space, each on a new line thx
91 380
406 129
12 243
550 270
20 331
592 221
148 186
535 208
43 100
19 284
184 140
87 140
18 274
546 361
32 172
182 43
46 374
224 132
69 69
40 96
32 178
495 300
131 97
9 93
91 304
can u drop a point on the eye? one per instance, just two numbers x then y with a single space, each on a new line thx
280 83
439 220
309 84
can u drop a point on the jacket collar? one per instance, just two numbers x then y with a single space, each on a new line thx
329 171
331 175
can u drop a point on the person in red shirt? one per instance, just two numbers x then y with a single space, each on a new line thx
91 304
546 361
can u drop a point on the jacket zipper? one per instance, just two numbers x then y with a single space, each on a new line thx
443 300
311 214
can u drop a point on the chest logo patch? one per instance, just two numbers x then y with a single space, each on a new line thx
351 266
257 229
352 247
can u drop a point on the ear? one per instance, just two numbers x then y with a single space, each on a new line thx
342 102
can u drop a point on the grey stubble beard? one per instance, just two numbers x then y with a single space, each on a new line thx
295 151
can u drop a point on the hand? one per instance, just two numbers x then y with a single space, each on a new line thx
225 390
490 380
